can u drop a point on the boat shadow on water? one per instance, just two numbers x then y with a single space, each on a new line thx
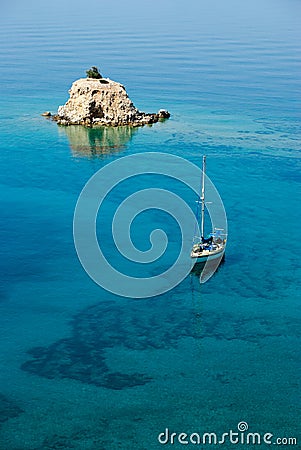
198 268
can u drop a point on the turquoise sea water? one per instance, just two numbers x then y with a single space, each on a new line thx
80 367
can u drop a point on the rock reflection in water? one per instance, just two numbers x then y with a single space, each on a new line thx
85 141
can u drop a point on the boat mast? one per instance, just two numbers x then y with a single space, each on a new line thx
203 197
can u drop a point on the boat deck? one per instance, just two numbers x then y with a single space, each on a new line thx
205 253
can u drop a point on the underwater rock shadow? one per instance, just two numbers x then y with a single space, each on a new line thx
103 327
8 409
140 326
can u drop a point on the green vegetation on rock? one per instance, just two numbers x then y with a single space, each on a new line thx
93 73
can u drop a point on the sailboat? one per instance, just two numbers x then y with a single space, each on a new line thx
213 246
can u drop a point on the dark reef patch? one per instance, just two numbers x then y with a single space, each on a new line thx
8 409
77 439
139 325
101 328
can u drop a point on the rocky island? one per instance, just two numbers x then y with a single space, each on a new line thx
100 101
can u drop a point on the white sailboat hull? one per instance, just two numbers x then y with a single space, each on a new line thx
207 255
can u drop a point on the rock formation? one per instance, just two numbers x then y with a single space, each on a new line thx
102 102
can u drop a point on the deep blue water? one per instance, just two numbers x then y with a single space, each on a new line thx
80 367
